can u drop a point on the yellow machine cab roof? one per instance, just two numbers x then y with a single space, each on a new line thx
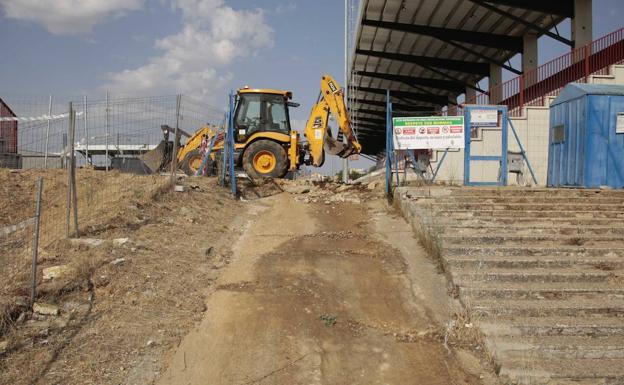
247 90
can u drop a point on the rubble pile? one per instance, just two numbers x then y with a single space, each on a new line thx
328 192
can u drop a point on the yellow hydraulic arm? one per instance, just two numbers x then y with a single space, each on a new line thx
331 100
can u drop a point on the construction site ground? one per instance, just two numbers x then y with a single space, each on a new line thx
319 285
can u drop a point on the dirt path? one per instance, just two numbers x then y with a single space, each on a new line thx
314 295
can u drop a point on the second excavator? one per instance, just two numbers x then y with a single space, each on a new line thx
265 145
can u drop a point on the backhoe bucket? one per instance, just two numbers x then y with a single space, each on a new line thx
157 158
336 147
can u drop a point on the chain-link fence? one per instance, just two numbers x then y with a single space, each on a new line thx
86 153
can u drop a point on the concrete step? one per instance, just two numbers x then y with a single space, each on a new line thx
507 206
543 262
570 214
552 326
541 270
466 277
559 347
440 192
529 199
563 371
533 192
533 240
528 229
549 308
538 291
525 222
511 251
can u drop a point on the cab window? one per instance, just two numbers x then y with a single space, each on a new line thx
262 112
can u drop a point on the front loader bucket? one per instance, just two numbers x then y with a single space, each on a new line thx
156 159
336 147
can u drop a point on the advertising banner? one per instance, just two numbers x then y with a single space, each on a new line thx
428 132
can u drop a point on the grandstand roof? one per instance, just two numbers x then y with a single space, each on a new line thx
427 51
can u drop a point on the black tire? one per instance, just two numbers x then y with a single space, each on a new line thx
189 160
265 146
211 168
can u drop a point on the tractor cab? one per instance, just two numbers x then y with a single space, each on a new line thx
261 110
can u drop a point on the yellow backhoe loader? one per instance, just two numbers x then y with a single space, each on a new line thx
265 145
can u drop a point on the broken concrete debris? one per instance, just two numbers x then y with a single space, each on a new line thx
120 241
59 271
295 189
118 261
87 241
45 308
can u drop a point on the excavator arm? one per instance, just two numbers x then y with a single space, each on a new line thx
320 140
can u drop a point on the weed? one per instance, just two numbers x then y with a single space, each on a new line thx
328 319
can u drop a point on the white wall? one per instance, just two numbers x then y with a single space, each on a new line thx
532 128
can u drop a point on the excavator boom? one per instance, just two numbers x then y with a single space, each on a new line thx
320 140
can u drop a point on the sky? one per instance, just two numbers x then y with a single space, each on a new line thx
201 48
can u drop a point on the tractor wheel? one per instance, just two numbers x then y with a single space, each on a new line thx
265 159
192 162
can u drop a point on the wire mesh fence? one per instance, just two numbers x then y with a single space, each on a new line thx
105 128
42 137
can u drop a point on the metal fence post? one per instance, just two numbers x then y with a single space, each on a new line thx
586 62
174 154
64 153
388 145
231 145
35 251
86 131
72 168
107 129
221 164
521 94
47 140
72 195
69 174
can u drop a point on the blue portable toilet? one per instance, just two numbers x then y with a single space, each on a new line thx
586 138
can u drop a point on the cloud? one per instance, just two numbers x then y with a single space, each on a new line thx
194 61
68 17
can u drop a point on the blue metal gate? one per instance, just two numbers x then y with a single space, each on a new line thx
469 158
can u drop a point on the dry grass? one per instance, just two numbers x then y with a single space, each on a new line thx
429 239
103 200
463 332
109 311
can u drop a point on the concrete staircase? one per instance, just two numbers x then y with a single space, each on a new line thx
540 270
